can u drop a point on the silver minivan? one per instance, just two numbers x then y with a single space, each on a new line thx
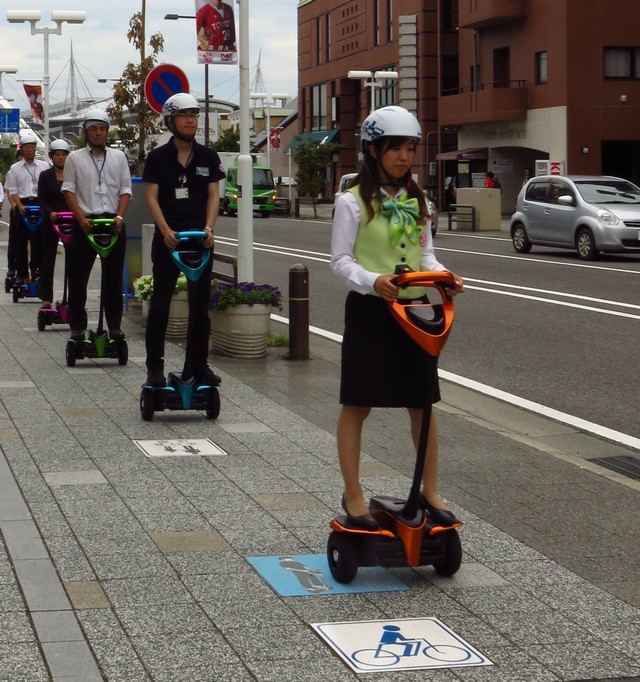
588 213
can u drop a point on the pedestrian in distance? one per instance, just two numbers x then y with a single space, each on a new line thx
488 180
14 221
182 193
52 202
380 222
23 190
97 184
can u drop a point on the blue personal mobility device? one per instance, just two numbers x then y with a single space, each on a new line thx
32 218
182 392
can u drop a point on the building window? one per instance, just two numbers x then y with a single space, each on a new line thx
318 107
376 22
384 92
319 39
541 67
448 21
450 82
389 20
622 63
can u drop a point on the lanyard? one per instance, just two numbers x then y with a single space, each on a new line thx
104 160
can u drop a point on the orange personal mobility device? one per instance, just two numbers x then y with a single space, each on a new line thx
406 536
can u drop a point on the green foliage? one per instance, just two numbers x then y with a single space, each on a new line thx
129 101
143 286
228 141
7 156
313 159
225 295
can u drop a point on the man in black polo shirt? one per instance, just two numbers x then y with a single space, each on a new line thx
182 193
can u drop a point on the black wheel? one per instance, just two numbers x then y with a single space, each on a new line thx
42 321
147 404
342 557
230 212
123 353
7 285
585 244
213 409
520 239
265 214
70 354
16 294
453 555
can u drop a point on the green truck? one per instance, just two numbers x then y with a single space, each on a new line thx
264 189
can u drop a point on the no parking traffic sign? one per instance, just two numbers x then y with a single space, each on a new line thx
162 82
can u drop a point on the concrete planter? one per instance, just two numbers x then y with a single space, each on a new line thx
178 322
241 331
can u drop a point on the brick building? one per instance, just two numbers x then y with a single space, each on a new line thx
496 84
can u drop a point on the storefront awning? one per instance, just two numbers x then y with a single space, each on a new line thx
473 154
321 136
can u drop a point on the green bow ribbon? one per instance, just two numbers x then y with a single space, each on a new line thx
402 214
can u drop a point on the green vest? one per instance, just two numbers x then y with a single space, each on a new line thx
373 250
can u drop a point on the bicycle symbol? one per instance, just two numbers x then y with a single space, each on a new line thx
393 647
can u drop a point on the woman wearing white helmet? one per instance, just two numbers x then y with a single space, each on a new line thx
97 184
182 193
51 201
381 222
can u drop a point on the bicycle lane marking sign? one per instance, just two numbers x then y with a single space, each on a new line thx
405 644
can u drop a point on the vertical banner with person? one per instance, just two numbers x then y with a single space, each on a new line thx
216 29
34 93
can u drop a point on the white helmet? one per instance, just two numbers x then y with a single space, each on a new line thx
59 146
28 138
176 103
391 121
96 116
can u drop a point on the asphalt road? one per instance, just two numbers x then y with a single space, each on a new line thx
543 326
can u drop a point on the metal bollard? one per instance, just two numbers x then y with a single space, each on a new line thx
299 312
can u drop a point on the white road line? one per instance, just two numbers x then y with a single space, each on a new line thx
512 399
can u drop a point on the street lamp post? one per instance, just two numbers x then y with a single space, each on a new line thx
245 165
33 16
262 96
373 80
175 17
6 69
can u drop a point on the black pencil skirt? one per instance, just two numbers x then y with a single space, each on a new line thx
381 365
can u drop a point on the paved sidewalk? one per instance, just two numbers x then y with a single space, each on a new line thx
118 566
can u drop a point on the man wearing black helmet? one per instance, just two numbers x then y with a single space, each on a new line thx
97 184
182 193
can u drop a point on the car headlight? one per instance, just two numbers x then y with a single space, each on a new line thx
607 217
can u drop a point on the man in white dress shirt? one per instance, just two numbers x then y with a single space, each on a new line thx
97 184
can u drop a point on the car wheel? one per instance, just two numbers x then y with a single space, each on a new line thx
520 239
586 245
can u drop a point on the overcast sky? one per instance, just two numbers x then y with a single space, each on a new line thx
101 48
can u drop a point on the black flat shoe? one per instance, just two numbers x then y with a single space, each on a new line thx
364 521
441 517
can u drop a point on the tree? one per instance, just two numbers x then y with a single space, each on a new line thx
313 158
130 112
228 141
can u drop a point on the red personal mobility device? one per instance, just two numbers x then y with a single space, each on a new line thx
406 536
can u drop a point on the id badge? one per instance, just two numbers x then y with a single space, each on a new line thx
101 189
182 192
